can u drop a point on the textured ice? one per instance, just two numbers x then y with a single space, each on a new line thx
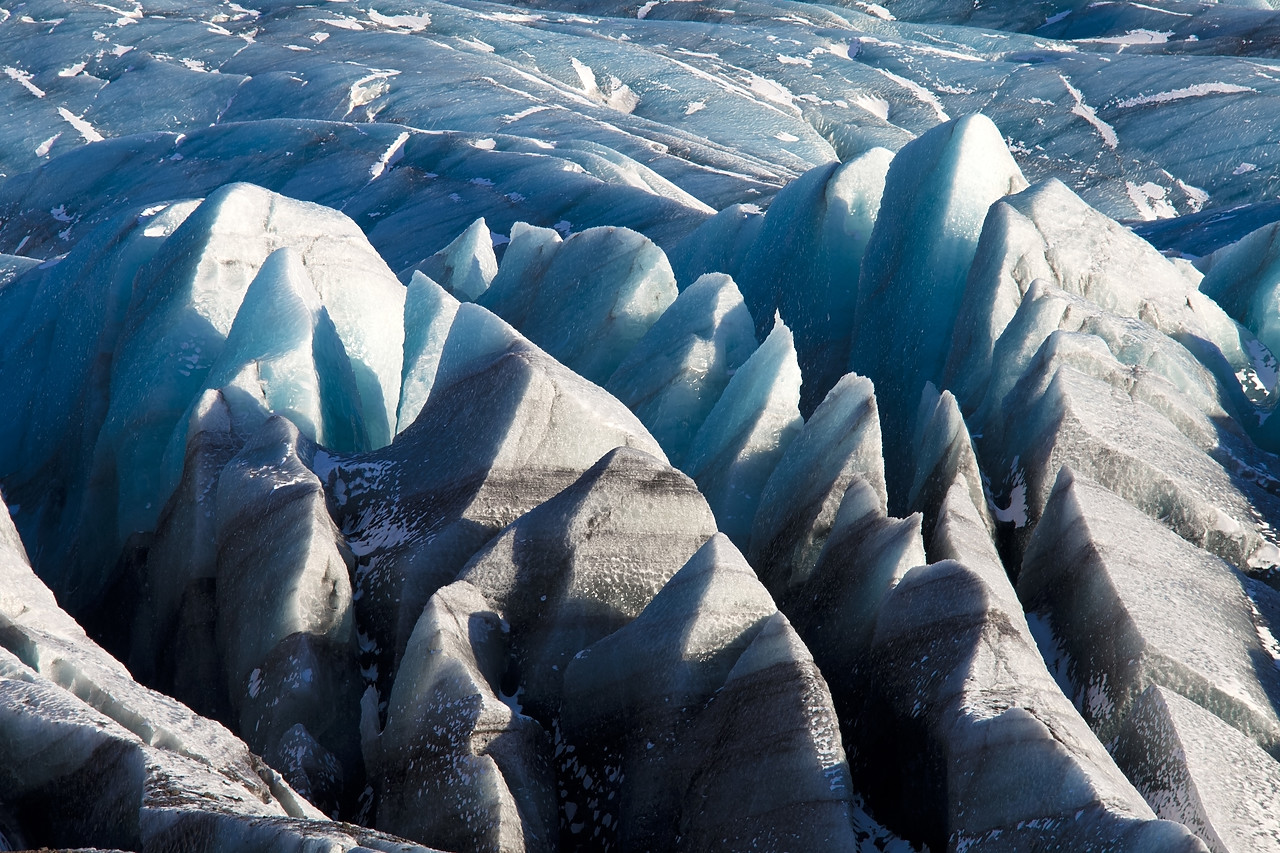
1173 615
521 427
676 373
909 289
799 504
587 300
573 570
805 259
965 692
271 522
428 313
460 767
1197 770
744 436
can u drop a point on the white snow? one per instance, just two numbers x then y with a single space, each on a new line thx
1197 90
1139 36
24 78
1245 168
389 158
1086 112
644 10
82 127
412 23
43 148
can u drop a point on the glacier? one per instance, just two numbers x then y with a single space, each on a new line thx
634 425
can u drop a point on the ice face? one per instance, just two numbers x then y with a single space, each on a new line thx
676 373
1176 616
1199 771
959 666
798 506
587 300
428 313
910 289
745 434
466 266
273 520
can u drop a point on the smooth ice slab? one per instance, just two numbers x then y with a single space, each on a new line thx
428 313
466 266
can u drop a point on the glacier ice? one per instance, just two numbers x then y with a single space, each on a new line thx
465 267
801 498
428 314
1194 768
465 278
676 373
586 300
909 289
1175 615
745 434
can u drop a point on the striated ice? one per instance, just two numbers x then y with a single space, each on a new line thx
1145 607
285 625
456 766
804 262
428 313
587 300
573 570
840 443
676 373
1199 771
962 693
504 428
910 289
745 434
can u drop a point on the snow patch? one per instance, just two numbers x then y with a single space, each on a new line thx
1086 112
81 126
24 78
1198 90
412 23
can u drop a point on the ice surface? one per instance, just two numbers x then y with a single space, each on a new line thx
747 431
428 313
587 300
285 626
1076 405
573 570
456 766
505 428
1173 614
676 373
798 507
965 691
805 259
466 266
1196 769
610 153
909 289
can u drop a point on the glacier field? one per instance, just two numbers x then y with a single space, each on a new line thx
640 425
